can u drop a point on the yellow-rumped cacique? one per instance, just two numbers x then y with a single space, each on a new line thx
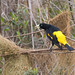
55 35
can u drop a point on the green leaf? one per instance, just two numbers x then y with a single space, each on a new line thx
74 35
35 71
23 38
38 10
2 19
18 33
25 11
44 36
6 29
25 22
11 14
13 22
19 42
16 18
0 58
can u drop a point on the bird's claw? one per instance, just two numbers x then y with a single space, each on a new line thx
50 49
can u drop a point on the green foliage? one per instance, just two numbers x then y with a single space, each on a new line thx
2 19
18 33
25 23
35 71
17 24
0 71
31 72
14 17
74 35
11 14
6 29
44 36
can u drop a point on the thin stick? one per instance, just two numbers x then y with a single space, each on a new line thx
24 34
35 33
70 38
29 1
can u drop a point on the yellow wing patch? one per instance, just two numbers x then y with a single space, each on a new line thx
60 37
50 36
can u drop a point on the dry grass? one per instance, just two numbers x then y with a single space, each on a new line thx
55 64
7 47
16 65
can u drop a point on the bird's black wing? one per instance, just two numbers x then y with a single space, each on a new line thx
53 38
50 35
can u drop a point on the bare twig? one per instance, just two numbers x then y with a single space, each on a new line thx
70 38
56 6
66 27
41 15
35 33
29 1
25 34
42 51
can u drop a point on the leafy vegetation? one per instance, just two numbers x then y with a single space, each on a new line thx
17 24
31 72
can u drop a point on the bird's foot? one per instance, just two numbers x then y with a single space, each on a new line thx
50 49
61 48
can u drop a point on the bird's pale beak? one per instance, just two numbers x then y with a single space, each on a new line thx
37 26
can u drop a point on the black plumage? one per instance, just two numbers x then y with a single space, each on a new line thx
57 37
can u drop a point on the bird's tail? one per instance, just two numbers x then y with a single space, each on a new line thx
69 47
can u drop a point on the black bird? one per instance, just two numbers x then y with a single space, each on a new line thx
55 35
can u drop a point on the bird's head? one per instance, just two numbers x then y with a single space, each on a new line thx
43 26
